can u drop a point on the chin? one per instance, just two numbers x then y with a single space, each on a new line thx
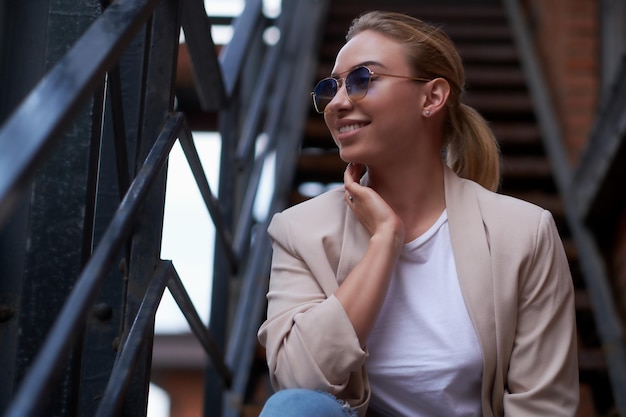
353 158
348 159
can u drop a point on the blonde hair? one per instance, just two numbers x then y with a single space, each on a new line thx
470 147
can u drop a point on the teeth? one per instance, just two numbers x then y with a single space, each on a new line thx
349 128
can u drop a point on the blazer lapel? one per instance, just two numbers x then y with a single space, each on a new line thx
473 262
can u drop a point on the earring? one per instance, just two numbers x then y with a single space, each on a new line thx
427 112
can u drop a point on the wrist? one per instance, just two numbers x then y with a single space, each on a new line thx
392 239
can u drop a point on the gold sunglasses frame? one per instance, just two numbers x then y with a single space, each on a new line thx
341 81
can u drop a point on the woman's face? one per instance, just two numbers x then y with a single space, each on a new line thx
383 126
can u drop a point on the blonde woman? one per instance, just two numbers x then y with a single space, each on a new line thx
415 289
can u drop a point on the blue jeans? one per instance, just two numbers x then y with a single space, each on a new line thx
298 402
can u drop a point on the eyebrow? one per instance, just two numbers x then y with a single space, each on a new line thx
361 64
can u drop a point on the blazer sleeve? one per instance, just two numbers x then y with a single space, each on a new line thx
309 339
542 379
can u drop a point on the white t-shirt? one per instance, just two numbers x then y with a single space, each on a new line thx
424 356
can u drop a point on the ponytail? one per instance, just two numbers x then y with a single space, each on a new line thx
471 149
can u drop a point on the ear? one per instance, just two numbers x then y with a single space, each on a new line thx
436 94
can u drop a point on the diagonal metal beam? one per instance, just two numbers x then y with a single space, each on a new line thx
233 55
207 72
181 296
125 364
210 201
601 172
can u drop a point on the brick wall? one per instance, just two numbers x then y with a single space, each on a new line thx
567 40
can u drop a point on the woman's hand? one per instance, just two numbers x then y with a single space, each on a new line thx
363 291
370 208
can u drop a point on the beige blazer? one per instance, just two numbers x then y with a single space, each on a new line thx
514 277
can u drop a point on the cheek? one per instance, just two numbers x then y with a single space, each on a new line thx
401 109
399 112
398 123
327 119
399 101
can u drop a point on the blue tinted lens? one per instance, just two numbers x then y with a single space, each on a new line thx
324 92
357 83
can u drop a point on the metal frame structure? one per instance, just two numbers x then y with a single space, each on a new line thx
83 156
585 189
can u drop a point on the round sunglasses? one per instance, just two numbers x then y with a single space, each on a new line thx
357 83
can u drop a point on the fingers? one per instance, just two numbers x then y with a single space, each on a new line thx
350 179
368 206
352 174
355 171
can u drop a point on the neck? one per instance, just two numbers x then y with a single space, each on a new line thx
415 192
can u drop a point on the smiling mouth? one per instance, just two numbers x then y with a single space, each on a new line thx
350 128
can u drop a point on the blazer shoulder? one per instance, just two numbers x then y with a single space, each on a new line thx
509 220
506 207
465 196
329 200
321 214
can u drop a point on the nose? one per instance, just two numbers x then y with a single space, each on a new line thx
340 101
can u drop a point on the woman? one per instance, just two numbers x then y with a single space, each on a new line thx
415 290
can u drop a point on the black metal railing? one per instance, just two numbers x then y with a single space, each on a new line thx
260 93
